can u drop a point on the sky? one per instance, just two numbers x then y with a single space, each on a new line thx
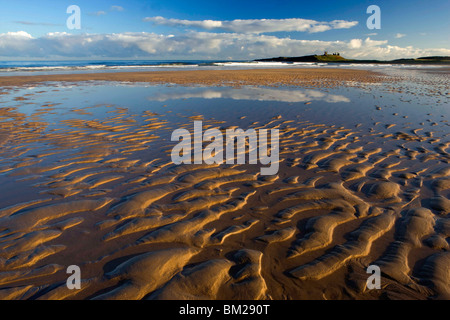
221 30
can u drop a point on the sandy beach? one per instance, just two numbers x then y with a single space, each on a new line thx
271 77
86 179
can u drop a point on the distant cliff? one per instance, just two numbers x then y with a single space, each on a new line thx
338 58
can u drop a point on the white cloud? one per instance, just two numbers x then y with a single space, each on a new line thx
16 35
399 35
355 43
45 24
256 25
193 45
343 24
98 13
372 43
116 8
102 12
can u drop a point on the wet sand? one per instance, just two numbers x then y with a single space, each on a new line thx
271 77
99 190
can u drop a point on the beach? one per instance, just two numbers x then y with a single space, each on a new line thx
87 179
267 76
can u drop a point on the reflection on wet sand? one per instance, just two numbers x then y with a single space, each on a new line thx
251 93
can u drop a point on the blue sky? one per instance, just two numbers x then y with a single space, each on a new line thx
184 30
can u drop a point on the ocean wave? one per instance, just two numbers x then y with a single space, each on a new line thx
53 66
262 64
91 67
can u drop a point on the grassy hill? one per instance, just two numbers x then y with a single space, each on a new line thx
311 58
330 58
339 59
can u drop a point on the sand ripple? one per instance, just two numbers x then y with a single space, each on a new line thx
141 228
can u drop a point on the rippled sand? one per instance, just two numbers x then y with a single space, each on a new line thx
101 192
